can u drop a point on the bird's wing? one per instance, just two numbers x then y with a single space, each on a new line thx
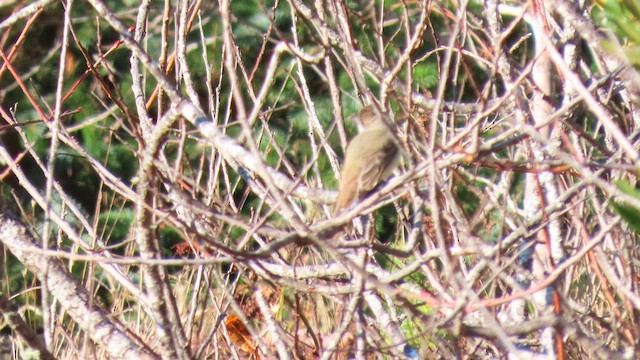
349 179
374 166
348 191
367 158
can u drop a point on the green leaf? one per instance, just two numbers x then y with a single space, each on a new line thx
628 189
628 212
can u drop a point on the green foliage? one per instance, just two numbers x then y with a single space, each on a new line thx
116 224
426 74
15 275
629 213
623 18
169 238
386 220
467 198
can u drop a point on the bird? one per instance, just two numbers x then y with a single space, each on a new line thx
371 157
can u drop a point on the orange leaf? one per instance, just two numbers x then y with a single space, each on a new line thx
240 336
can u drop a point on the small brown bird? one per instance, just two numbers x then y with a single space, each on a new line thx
371 157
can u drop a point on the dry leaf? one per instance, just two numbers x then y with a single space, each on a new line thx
240 336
